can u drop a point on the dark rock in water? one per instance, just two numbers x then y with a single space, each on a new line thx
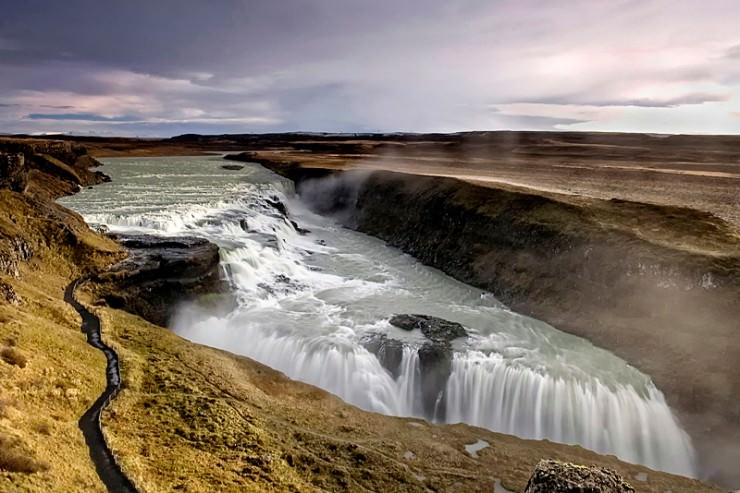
433 328
266 287
435 366
388 351
160 272
551 476
300 230
278 206
232 167
244 224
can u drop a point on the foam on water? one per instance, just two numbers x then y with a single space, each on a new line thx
306 302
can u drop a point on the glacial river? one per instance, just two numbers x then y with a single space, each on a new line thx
307 303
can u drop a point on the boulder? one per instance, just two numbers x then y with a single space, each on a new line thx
435 365
551 476
388 351
433 328
275 203
159 273
435 357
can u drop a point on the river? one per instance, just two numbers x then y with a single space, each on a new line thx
307 303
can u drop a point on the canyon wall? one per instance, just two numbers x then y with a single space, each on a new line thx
656 285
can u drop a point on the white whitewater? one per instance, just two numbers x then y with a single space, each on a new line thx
305 304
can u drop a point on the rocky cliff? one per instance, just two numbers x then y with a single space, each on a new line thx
44 168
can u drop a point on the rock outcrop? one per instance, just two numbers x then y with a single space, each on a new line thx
434 328
47 168
551 476
435 356
159 273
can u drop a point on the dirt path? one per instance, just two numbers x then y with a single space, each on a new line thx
105 463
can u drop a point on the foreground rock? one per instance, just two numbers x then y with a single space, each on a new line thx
159 273
551 476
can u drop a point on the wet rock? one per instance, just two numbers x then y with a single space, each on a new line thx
278 206
299 230
552 476
159 273
388 351
433 328
435 365
244 224
232 167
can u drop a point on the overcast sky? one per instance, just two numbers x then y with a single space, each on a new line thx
166 67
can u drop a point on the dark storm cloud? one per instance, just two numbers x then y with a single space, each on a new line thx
177 36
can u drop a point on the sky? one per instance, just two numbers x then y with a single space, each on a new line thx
167 67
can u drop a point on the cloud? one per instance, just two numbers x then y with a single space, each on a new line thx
432 65
85 117
733 53
658 102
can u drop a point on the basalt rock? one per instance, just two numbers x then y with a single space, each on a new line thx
435 365
159 273
551 476
433 328
435 356
388 351
47 169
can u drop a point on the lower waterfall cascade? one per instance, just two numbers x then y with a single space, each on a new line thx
307 294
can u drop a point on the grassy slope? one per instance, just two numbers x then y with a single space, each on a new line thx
41 401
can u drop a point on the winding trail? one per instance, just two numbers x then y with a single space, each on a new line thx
102 456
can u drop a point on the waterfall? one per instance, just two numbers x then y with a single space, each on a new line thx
487 391
306 301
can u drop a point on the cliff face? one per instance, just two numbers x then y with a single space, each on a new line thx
48 169
656 285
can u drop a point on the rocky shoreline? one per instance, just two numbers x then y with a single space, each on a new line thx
666 303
